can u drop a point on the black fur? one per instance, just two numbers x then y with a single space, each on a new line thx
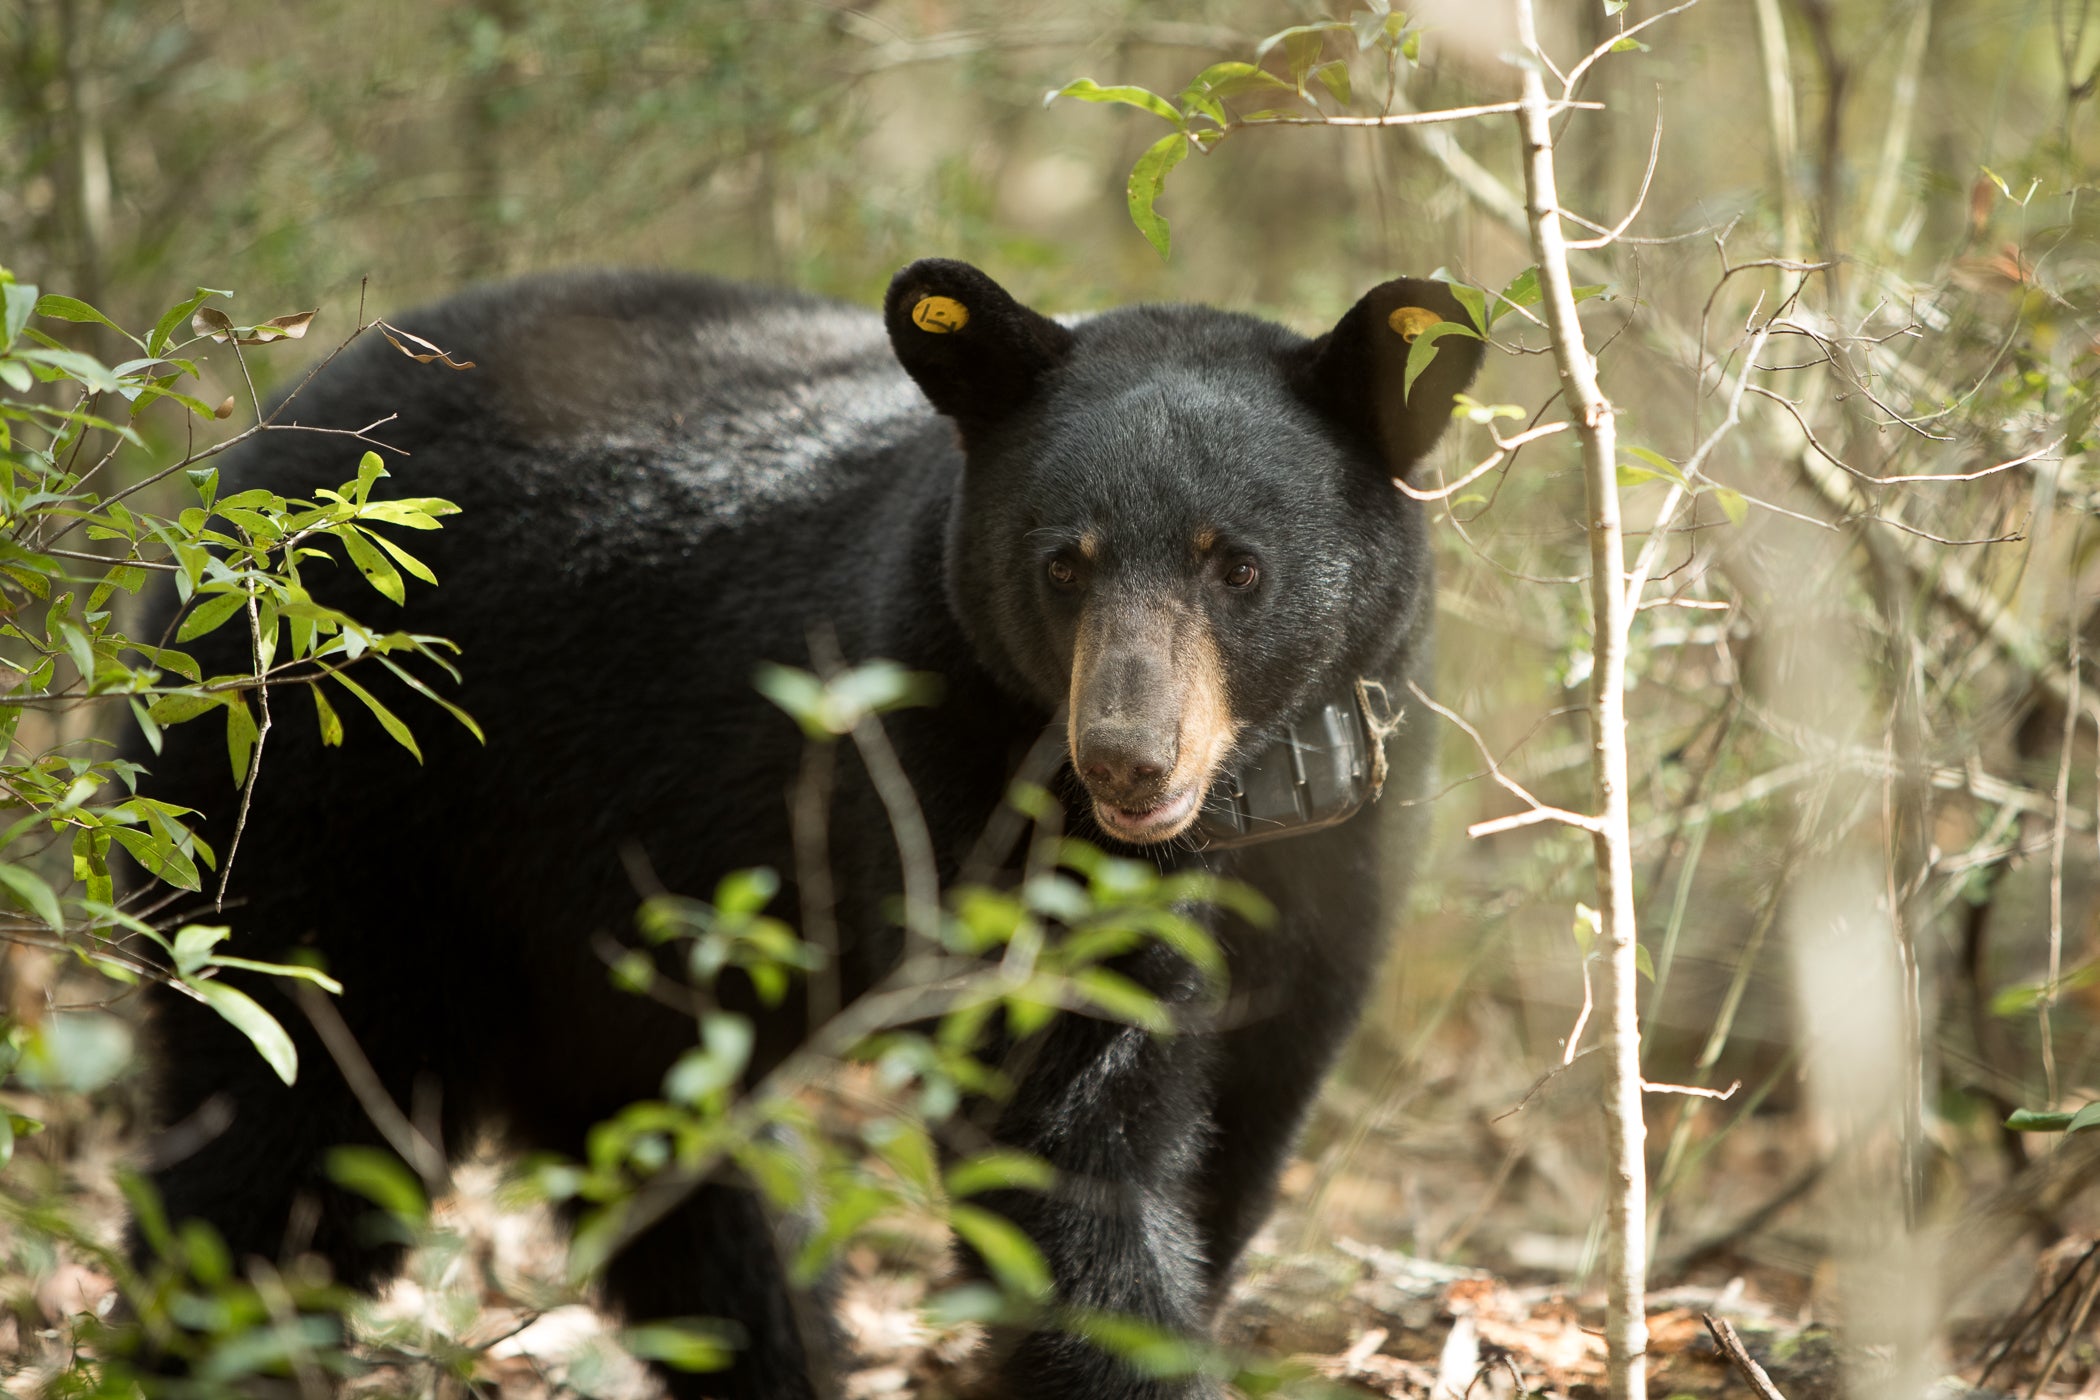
667 481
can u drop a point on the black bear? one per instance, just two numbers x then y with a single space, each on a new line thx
1176 525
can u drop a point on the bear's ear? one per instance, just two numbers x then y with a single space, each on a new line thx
975 350
1357 372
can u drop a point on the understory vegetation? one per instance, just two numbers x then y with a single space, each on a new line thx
1837 267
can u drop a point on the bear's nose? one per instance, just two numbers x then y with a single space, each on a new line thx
1124 767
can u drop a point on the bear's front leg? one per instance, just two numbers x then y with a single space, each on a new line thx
1124 1117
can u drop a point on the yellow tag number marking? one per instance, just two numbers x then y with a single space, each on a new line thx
1411 321
940 315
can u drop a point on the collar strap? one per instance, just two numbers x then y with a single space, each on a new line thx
1329 763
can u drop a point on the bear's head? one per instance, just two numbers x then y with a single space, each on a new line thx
1179 523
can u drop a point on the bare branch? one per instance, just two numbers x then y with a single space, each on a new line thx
1616 231
1540 811
1503 447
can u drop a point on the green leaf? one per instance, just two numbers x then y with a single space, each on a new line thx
1423 350
381 1178
297 971
388 720
408 678
193 944
1334 76
241 735
2027 1120
2084 1118
63 308
1663 465
1009 1254
160 857
210 615
999 1170
1629 45
174 709
331 722
370 468
415 567
716 1064
1523 290
1302 44
243 1013
1225 80
1642 963
32 893
1087 90
17 305
75 1052
904 1146
1121 999
744 892
382 575
1732 504
683 1346
1474 411
1474 301
71 364
177 315
1147 178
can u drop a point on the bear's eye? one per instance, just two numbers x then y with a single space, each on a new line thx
1242 575
1062 574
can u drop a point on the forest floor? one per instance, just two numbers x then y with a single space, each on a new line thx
1347 1280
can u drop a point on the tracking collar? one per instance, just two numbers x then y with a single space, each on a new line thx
1327 765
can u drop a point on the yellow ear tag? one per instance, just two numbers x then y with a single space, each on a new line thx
1411 321
940 315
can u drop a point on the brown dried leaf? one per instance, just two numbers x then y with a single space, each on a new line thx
225 409
395 335
209 320
215 323
292 327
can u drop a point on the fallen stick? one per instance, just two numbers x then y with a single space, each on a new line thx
1739 1356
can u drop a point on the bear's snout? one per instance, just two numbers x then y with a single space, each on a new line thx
1149 720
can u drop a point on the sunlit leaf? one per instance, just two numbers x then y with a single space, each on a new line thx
1147 178
388 720
245 1015
1087 90
32 892
1009 1254
1423 350
381 1178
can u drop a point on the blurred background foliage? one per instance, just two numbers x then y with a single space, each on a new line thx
1865 687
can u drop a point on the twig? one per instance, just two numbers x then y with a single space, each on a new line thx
422 1155
1540 811
2058 829
262 733
1739 1356
2072 1328
2034 1315
1692 1090
1437 117
1503 448
1575 73
1616 231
